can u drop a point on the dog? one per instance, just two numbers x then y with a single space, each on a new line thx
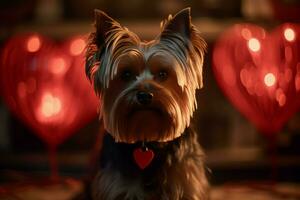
148 97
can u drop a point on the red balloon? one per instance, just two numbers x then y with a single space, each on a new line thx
260 72
44 84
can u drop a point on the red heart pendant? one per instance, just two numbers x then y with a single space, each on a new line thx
143 157
260 73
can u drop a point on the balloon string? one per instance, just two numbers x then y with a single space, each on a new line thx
53 163
273 158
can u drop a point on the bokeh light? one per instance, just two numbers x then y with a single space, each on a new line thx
77 46
58 65
269 79
246 33
50 105
289 34
280 97
33 44
254 44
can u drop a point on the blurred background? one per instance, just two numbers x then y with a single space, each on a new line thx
236 151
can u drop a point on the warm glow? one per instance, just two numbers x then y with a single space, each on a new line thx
229 75
297 83
280 97
245 78
254 44
289 34
246 33
31 85
288 53
57 65
270 79
33 44
77 47
281 100
288 75
21 89
50 105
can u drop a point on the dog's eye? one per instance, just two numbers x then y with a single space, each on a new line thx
162 75
127 75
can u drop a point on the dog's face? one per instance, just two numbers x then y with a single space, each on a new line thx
147 89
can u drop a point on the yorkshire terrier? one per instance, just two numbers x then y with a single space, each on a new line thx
147 92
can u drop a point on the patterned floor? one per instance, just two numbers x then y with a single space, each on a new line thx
69 188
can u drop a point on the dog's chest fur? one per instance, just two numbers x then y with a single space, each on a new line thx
175 173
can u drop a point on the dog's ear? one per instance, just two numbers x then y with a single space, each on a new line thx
179 24
103 25
181 35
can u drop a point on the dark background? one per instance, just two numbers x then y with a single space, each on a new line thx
235 149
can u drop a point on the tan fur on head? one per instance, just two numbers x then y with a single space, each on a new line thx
178 52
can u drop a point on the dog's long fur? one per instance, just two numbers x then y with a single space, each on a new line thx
177 170
175 173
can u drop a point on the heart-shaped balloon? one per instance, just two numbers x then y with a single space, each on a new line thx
44 84
260 72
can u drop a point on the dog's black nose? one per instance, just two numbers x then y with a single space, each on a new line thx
144 98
